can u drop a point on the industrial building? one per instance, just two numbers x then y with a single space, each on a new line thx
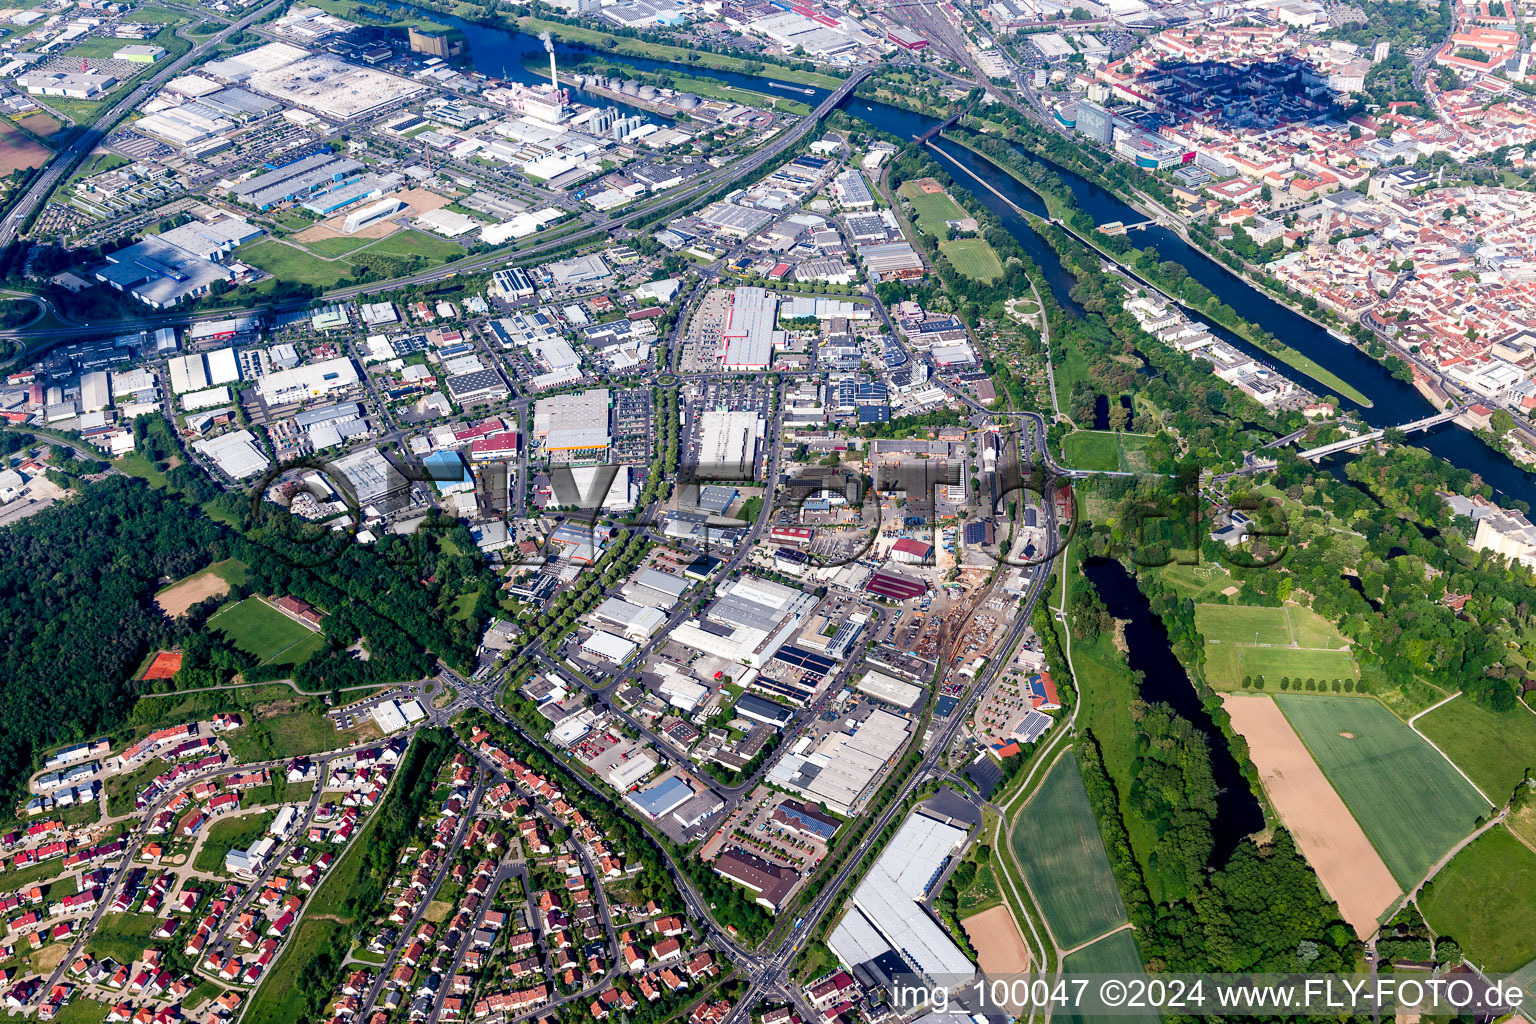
392 716
895 691
369 475
654 589
160 274
200 370
95 393
845 764
728 444
749 620
886 917
370 215
748 335
305 176
636 622
312 380
139 53
662 798
760 709
605 646
80 86
573 427
236 454
771 882
477 387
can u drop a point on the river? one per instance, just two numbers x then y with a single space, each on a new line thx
1164 679
496 51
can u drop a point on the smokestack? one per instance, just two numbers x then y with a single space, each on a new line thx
549 48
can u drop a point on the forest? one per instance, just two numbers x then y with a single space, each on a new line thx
1260 909
77 586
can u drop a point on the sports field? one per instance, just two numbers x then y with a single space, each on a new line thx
261 630
1494 749
973 258
1485 899
1117 955
932 210
1058 844
1289 641
1106 449
1410 800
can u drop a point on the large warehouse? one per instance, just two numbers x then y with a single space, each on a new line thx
311 380
573 426
748 334
728 444
844 764
749 620
885 922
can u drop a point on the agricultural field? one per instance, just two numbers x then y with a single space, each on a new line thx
1495 750
1114 954
1272 643
266 633
1327 834
1410 800
1485 899
1105 449
1062 854
18 149
973 258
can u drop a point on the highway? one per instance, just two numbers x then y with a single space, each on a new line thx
61 166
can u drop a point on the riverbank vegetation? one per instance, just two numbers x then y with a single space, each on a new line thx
1148 775
1166 275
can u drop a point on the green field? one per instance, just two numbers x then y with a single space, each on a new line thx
1105 449
931 209
1485 899
231 570
1525 979
1411 802
1290 641
261 630
1495 750
123 937
672 54
289 264
295 734
338 246
280 999
1058 845
1116 954
973 258
229 833
416 243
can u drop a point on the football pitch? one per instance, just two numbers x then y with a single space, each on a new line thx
1288 641
264 632
1058 844
1411 802
973 258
